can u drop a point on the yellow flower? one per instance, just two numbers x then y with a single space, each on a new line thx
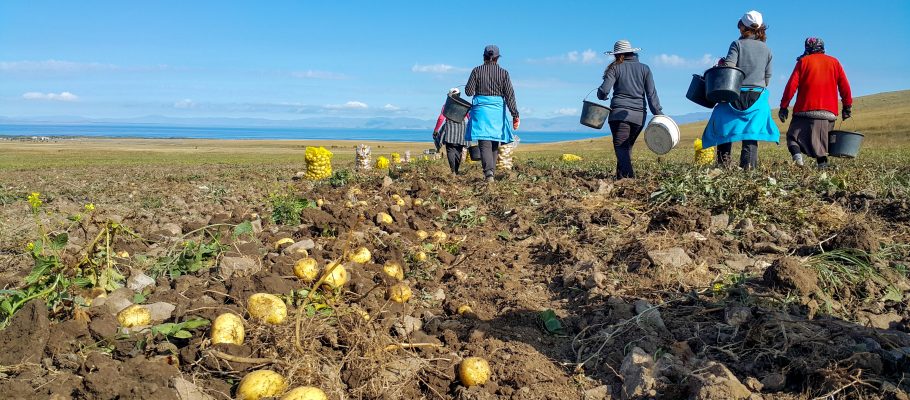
718 287
90 207
35 200
30 246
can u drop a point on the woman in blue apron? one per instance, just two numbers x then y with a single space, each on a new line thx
488 123
747 119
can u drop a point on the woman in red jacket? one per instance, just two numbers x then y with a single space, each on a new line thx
818 78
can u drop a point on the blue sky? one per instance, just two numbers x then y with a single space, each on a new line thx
301 59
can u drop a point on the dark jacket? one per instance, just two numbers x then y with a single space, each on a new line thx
631 83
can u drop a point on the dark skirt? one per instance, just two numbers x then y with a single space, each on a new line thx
810 135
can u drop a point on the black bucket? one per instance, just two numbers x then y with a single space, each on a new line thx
456 108
594 115
844 143
696 92
722 84
474 152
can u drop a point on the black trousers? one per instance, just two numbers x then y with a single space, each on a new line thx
748 157
489 151
624 136
453 154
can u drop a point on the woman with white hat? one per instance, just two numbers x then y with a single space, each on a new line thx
631 83
451 135
747 119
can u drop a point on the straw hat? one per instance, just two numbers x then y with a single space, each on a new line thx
622 46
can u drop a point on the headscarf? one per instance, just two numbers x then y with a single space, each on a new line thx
813 45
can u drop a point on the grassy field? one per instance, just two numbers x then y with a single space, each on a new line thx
884 118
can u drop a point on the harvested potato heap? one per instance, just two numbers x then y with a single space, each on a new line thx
703 156
570 157
382 162
364 158
318 163
407 156
396 158
504 159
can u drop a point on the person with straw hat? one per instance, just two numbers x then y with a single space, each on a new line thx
748 118
631 83
816 81
451 135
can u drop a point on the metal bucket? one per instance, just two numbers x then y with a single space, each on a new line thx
696 92
594 115
474 152
844 143
456 108
722 84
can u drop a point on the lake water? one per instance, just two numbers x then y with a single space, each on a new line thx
268 133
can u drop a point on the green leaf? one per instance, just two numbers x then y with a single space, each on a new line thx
551 322
182 334
138 298
58 242
194 323
244 228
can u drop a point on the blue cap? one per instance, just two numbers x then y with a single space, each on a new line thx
491 51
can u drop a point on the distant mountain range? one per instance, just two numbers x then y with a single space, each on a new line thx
557 124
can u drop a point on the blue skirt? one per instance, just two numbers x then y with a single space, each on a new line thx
728 124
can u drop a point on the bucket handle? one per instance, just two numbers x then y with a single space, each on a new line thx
842 122
589 93
462 91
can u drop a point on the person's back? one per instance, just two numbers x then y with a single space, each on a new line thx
629 90
753 57
819 77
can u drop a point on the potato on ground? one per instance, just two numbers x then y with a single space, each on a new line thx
228 328
267 308
474 371
259 384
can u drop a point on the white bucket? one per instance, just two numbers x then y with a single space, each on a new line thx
661 134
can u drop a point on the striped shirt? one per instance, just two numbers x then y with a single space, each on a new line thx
490 79
450 132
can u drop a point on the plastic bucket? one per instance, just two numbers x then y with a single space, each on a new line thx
696 92
844 143
474 152
594 115
722 84
661 134
456 108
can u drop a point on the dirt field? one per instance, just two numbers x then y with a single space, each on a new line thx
782 283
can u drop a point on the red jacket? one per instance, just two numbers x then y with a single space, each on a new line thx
818 78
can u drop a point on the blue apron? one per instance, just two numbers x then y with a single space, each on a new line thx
728 124
489 120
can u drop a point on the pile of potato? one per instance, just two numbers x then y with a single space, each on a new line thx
570 157
318 163
703 156
382 162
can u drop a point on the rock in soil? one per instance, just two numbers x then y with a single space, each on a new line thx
139 281
187 390
675 257
791 273
637 374
24 339
774 382
232 267
716 382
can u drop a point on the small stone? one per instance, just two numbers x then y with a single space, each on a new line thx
650 318
187 390
596 279
601 392
386 181
170 229
305 245
604 187
774 382
719 222
116 301
235 267
139 281
745 225
754 384
636 371
257 226
160 311
736 316
408 325
460 275
696 236
438 295
675 257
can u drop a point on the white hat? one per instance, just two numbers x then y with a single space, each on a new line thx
623 46
752 19
453 91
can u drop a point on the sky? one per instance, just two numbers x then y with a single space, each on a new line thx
303 59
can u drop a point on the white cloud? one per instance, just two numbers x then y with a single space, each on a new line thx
312 74
185 104
673 60
391 107
62 96
437 68
567 111
351 105
54 66
588 56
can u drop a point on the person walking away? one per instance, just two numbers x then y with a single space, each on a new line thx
488 123
631 82
816 81
747 119
451 134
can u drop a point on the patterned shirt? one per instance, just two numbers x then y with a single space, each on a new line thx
490 79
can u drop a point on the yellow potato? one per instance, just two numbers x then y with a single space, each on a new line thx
418 202
320 202
305 393
338 277
307 269
267 308
464 309
133 316
474 371
439 236
283 242
399 293
123 254
363 314
420 256
383 218
228 328
393 269
259 384
400 202
361 255
422 235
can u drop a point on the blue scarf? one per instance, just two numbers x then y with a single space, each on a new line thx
489 120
